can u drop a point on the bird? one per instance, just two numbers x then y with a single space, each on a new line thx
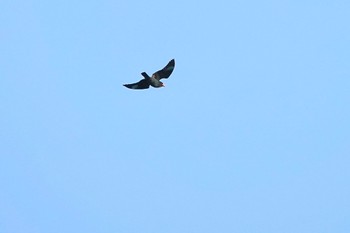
154 80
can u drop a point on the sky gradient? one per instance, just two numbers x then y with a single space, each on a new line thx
250 134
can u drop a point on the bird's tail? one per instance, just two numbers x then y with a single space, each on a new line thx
145 75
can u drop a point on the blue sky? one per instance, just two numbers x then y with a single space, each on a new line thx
250 134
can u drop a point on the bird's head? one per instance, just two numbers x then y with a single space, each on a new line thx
162 84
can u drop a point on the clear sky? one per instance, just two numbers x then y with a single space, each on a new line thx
250 134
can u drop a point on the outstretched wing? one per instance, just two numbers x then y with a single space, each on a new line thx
142 84
166 71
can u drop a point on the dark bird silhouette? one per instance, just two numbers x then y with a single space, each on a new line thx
153 81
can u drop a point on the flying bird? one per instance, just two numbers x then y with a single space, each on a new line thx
154 80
